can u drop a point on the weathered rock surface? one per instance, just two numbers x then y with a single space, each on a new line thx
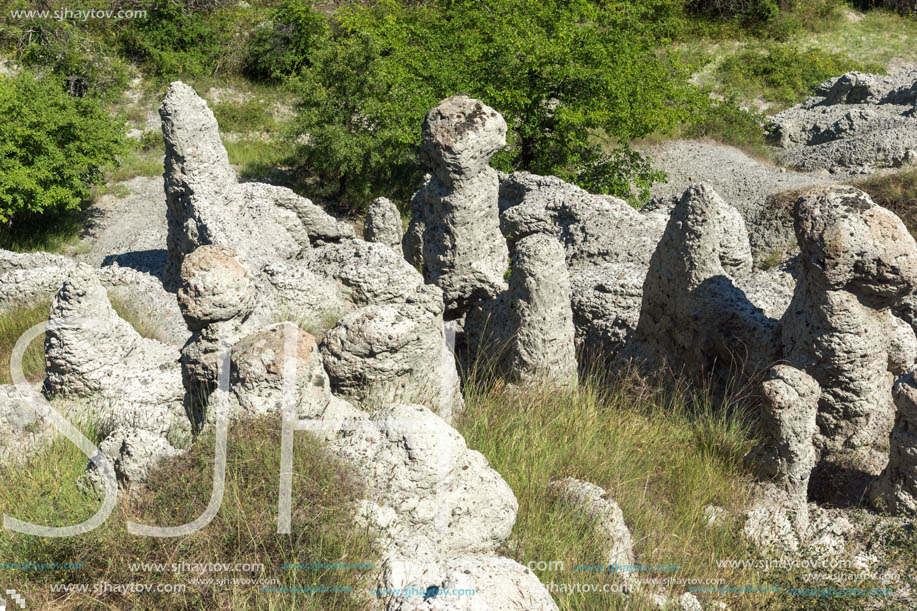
787 452
854 123
758 190
694 314
265 224
896 489
22 430
609 520
497 583
425 487
383 224
857 261
394 353
527 331
257 372
133 452
463 251
92 353
607 247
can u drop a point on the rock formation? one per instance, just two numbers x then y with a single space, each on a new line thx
857 261
694 315
394 353
896 489
608 518
383 224
528 330
92 353
463 252
134 454
854 123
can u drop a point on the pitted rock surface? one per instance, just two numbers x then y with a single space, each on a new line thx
857 261
383 224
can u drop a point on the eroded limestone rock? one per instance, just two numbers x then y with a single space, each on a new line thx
896 489
857 261
463 251
383 224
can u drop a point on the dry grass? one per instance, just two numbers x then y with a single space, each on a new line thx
13 323
244 531
896 191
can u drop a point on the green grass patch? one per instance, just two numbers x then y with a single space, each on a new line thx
784 74
142 321
260 159
662 456
13 323
244 530
251 116
54 232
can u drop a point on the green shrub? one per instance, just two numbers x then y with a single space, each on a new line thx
552 69
75 50
53 146
784 73
181 38
282 47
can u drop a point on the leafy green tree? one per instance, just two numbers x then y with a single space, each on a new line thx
53 146
576 80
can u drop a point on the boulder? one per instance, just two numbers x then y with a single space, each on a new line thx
389 353
134 454
607 516
22 429
90 352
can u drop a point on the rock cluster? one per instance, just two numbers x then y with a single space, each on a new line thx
854 123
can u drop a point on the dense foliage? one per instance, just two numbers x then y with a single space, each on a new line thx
53 146
576 81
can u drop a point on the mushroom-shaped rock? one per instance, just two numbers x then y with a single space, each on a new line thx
463 252
857 262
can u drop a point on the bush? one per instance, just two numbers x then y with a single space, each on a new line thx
53 146
552 69
282 47
181 38
785 74
76 51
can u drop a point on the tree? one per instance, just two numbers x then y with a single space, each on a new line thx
52 146
576 80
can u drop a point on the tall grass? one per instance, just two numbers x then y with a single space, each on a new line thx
13 323
244 530
662 454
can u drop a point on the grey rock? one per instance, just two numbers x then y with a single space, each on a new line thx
762 193
364 273
257 373
134 454
529 328
606 514
688 602
426 489
776 522
896 489
383 224
92 353
694 316
264 224
216 285
462 250
787 453
23 431
854 123
497 583
857 261
607 247
389 353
